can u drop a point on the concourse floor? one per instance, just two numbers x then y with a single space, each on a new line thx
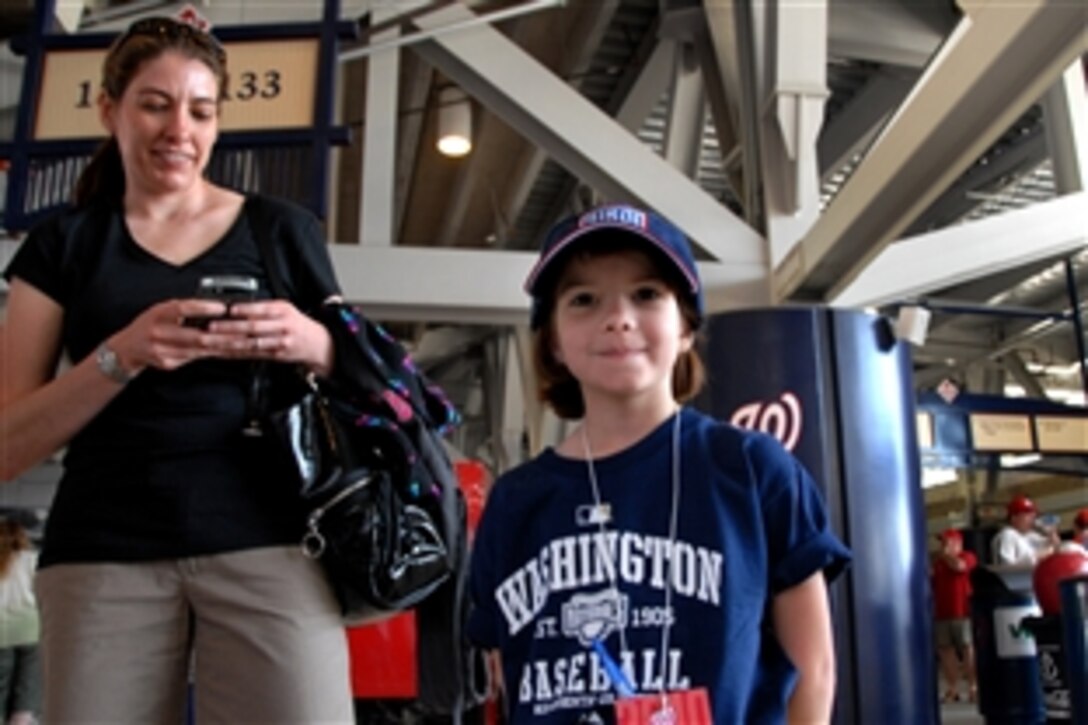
960 713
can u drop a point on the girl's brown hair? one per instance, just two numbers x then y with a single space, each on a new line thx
557 387
144 41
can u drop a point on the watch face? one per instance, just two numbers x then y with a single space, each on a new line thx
110 366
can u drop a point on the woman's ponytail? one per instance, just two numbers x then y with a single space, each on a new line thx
103 177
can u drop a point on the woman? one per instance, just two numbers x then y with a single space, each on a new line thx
173 534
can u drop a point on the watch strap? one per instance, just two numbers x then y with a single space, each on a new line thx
110 366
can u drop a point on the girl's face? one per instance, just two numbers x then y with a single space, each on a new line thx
618 328
165 122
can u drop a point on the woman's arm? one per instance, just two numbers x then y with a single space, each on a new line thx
41 411
38 415
802 623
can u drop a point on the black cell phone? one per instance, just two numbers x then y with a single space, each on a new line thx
228 288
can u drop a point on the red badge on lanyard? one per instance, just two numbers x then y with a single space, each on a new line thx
684 707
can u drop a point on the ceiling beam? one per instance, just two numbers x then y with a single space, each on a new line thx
581 137
790 113
1065 108
1019 371
855 125
587 35
888 31
1022 155
997 62
686 112
377 221
953 255
730 67
430 284
651 83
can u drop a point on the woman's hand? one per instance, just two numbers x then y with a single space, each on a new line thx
160 338
273 330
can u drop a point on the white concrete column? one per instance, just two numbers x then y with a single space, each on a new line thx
68 14
376 222
542 425
687 111
1065 116
791 115
515 396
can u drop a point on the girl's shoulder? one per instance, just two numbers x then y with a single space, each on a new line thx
536 481
529 473
528 492
738 451
725 436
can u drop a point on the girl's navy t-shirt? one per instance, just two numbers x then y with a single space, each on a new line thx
548 578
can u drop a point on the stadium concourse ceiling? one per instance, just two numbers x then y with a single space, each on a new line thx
855 153
864 154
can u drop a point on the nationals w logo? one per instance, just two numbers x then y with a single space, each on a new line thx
781 418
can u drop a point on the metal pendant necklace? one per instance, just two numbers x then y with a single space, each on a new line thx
623 686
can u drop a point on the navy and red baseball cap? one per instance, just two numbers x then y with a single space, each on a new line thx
950 534
663 239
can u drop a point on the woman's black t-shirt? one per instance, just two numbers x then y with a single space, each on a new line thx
165 470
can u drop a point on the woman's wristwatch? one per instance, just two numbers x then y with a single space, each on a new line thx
110 365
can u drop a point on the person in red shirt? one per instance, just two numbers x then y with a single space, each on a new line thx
952 599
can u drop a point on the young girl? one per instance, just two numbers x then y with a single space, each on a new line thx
657 565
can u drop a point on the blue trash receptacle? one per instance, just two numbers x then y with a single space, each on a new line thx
1054 674
1005 653
1074 598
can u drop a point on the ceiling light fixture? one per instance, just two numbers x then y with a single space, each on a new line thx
454 123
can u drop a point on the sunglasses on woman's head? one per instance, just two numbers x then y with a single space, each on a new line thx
175 30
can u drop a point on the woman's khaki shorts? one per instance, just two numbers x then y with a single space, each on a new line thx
260 629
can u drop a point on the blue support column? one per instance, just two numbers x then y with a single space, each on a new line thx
32 48
837 385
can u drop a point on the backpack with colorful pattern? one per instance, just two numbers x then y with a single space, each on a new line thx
387 517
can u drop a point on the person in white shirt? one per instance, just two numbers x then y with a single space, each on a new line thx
1018 543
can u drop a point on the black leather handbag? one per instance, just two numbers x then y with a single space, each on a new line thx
384 513
384 550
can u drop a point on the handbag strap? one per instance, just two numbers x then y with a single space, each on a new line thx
381 356
260 226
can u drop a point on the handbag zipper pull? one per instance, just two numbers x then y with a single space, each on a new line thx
313 543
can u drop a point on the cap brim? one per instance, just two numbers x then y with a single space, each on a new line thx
539 273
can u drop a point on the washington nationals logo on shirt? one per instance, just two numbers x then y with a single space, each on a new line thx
587 617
